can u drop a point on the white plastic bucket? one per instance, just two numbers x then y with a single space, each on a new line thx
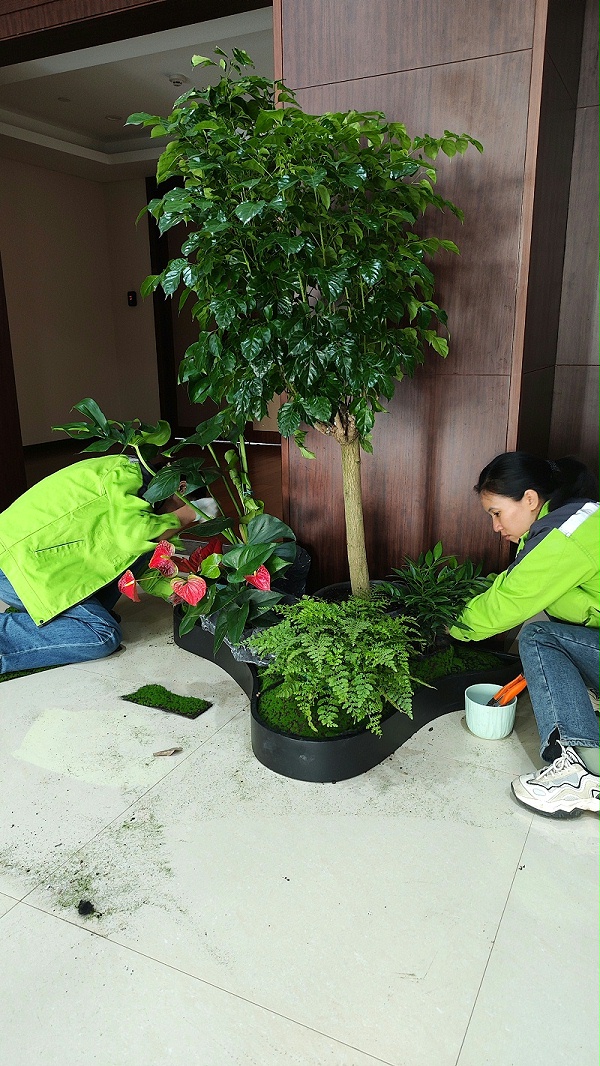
490 723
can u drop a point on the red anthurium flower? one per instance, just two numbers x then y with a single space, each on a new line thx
192 590
161 559
127 586
214 547
184 565
261 579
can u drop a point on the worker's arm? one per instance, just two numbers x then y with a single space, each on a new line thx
184 513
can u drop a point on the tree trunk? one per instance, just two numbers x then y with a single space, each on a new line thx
355 529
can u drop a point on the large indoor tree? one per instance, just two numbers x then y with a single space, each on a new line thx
302 260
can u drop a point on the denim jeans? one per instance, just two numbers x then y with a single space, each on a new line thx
86 631
560 662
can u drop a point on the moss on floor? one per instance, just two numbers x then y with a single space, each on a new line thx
161 699
23 673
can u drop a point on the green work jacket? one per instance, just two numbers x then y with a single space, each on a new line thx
75 531
556 570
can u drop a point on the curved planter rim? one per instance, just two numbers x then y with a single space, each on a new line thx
326 759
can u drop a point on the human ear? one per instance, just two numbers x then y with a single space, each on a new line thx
533 500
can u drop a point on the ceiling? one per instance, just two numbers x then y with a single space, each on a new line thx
67 112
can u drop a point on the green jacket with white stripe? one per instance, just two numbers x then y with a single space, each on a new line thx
76 531
556 570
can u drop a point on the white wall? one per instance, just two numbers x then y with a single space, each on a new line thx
70 251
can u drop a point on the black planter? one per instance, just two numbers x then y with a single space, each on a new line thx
351 754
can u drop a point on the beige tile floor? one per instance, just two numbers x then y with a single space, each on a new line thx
415 916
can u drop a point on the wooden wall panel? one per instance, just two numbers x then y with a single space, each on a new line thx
588 78
12 464
417 486
346 39
551 206
564 39
578 332
574 425
478 288
536 410
29 30
575 414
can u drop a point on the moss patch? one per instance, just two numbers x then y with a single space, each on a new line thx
24 673
452 661
284 714
161 699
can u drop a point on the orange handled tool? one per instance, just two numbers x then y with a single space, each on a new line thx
507 694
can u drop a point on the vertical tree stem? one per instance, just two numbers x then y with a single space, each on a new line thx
355 528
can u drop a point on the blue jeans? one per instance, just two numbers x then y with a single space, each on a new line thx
560 662
86 631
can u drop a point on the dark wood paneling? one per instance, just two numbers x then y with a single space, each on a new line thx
417 485
578 330
588 78
553 177
356 39
487 98
30 31
12 466
563 40
575 414
536 411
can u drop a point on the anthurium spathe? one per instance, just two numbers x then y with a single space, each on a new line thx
161 559
127 586
214 547
191 591
261 579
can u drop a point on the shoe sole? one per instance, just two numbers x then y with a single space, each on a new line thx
550 813
575 813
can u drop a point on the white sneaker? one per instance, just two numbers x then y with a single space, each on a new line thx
565 789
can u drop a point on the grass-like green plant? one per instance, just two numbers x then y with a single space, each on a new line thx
433 589
339 662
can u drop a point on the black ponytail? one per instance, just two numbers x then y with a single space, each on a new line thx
512 473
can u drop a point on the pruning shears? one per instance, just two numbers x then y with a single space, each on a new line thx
508 692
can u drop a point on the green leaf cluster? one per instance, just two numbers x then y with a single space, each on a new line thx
433 589
233 604
331 659
256 539
302 258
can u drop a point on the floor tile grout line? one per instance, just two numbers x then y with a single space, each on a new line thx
493 944
203 981
124 811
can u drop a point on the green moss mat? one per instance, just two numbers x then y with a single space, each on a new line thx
24 673
162 700
453 661
284 714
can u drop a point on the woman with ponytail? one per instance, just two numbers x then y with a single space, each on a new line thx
550 510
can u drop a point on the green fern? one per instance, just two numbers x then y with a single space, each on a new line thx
335 660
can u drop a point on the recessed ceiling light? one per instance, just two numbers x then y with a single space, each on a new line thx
177 79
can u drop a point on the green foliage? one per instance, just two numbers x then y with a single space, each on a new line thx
433 589
256 539
302 257
159 697
300 252
339 660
